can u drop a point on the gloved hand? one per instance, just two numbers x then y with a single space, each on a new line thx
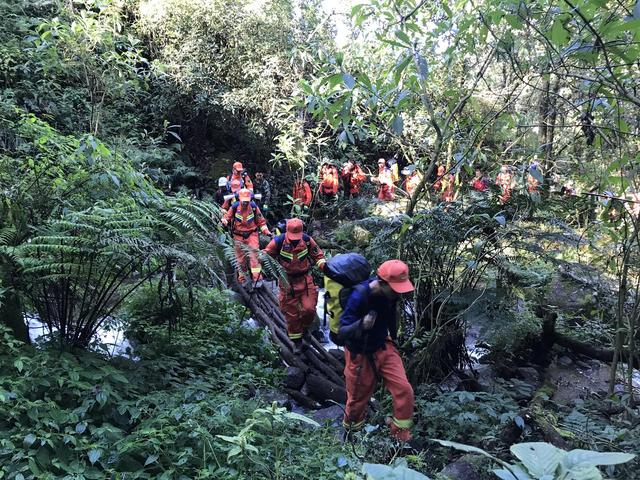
369 320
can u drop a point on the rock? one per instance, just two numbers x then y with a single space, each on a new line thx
360 235
528 374
332 415
461 469
294 379
564 361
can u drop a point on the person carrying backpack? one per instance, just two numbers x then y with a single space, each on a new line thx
239 179
222 191
353 177
368 328
244 219
329 180
385 180
296 252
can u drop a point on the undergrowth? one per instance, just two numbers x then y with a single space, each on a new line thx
72 415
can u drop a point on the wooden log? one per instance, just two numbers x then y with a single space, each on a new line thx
598 353
302 399
323 368
536 414
324 390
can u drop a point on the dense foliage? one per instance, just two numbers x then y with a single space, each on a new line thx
117 117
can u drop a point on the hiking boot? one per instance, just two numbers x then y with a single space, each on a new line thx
400 434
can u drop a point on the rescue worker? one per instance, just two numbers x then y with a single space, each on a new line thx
244 219
368 326
222 190
302 193
385 181
533 182
503 180
261 186
448 186
437 185
353 177
412 179
296 252
329 180
239 179
480 183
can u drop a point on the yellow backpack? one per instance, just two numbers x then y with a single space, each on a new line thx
341 274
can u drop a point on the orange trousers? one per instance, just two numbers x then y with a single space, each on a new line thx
360 379
298 304
255 269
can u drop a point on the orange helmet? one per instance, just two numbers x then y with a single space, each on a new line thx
244 195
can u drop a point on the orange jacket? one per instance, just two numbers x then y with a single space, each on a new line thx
412 182
295 258
302 193
245 219
354 177
329 180
236 182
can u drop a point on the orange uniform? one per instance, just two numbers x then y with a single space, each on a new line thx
448 184
411 183
385 179
329 180
504 181
302 193
245 219
296 251
353 178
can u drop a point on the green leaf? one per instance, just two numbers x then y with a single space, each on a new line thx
589 458
18 363
397 125
234 451
468 448
94 455
559 35
333 80
151 459
539 458
631 25
228 439
423 67
377 471
514 473
101 398
301 418
29 440
403 37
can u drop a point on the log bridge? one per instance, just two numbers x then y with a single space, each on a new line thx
315 376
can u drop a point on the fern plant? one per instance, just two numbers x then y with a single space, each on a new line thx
80 268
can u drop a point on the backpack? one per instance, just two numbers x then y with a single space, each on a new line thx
392 164
341 274
279 239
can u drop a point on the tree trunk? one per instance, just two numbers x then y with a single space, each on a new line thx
11 315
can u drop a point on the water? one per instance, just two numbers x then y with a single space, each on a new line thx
111 339
329 345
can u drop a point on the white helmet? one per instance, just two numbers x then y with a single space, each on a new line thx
222 182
